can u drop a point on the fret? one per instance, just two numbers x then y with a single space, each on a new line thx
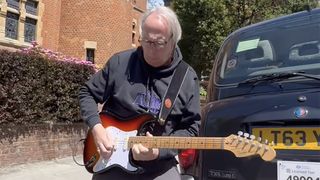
178 142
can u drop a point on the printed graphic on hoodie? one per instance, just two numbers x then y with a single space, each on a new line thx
150 103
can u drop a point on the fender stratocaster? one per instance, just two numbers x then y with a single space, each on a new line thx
125 134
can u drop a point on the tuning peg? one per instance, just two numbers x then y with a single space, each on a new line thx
272 143
240 133
259 139
252 137
246 135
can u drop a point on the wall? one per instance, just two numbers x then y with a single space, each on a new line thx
71 26
19 42
51 24
27 144
104 25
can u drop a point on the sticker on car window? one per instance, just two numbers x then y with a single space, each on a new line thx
231 63
247 45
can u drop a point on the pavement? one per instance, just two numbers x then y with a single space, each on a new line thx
57 169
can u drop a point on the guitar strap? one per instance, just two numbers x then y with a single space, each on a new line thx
172 91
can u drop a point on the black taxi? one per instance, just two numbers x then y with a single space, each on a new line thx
265 83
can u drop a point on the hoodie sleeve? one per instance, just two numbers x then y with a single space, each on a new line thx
96 90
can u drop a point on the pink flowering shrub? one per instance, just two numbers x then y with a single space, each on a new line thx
35 49
40 86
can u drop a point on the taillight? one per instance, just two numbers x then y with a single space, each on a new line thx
186 158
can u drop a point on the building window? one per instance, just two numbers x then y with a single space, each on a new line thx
133 25
30 28
13 4
133 38
90 55
31 7
12 21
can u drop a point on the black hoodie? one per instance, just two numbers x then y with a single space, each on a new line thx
128 86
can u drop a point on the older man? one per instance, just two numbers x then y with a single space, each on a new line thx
135 82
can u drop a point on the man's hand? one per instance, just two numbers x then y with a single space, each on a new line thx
141 153
104 141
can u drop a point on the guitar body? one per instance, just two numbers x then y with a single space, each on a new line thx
127 133
121 131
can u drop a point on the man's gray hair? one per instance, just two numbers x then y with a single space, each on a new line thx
171 18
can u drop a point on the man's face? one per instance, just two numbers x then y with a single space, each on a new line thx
157 41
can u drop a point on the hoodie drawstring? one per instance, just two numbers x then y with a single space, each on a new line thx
148 94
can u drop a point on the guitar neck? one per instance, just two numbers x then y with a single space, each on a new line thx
178 142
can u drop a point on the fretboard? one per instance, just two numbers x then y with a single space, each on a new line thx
178 142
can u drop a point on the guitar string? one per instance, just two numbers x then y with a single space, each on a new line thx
163 142
171 140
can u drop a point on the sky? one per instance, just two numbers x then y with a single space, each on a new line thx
155 3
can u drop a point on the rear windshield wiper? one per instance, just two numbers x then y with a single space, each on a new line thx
277 77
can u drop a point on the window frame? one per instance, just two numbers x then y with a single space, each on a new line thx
31 7
11 20
14 4
30 26
88 50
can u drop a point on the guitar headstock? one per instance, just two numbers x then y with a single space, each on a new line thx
244 145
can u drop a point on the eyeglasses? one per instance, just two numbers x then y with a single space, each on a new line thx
157 44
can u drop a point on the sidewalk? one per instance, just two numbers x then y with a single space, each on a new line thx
58 169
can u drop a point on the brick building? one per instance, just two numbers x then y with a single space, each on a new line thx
85 29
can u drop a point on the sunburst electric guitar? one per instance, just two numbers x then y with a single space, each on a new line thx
125 134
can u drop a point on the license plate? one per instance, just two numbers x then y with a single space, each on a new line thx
295 170
299 138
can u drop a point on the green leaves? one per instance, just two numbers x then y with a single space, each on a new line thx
35 89
206 23
202 24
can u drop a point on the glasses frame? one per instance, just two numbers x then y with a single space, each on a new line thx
156 44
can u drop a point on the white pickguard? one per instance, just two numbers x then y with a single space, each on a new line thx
120 155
